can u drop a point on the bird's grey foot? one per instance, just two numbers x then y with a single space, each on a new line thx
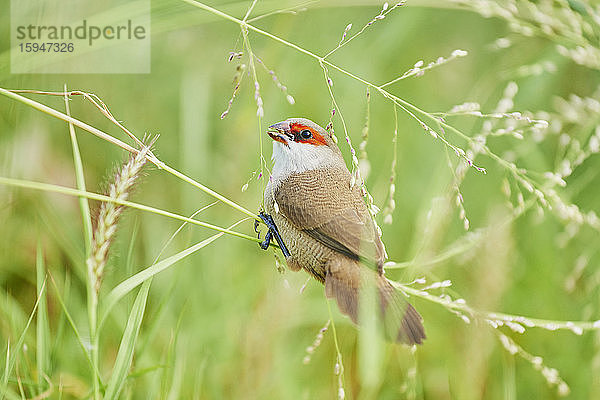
273 232
265 243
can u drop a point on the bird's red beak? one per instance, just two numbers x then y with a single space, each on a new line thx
281 132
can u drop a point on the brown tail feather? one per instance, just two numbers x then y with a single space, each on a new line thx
402 323
341 287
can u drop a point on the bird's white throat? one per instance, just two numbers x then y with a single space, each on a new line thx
299 157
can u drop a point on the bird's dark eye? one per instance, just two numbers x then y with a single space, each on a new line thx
306 134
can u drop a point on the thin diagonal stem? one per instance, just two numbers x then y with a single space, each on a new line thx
150 157
249 10
95 196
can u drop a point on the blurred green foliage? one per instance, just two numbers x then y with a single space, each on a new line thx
224 323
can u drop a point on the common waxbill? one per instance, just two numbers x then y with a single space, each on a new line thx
323 225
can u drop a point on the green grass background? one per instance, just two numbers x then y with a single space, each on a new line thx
224 323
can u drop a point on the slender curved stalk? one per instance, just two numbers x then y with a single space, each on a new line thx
95 196
150 157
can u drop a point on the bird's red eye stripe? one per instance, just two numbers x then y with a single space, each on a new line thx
317 139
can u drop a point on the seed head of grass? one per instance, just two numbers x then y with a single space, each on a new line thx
106 225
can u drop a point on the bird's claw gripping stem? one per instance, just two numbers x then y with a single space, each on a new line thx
273 232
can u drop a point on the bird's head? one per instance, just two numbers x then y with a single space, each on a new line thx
300 145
